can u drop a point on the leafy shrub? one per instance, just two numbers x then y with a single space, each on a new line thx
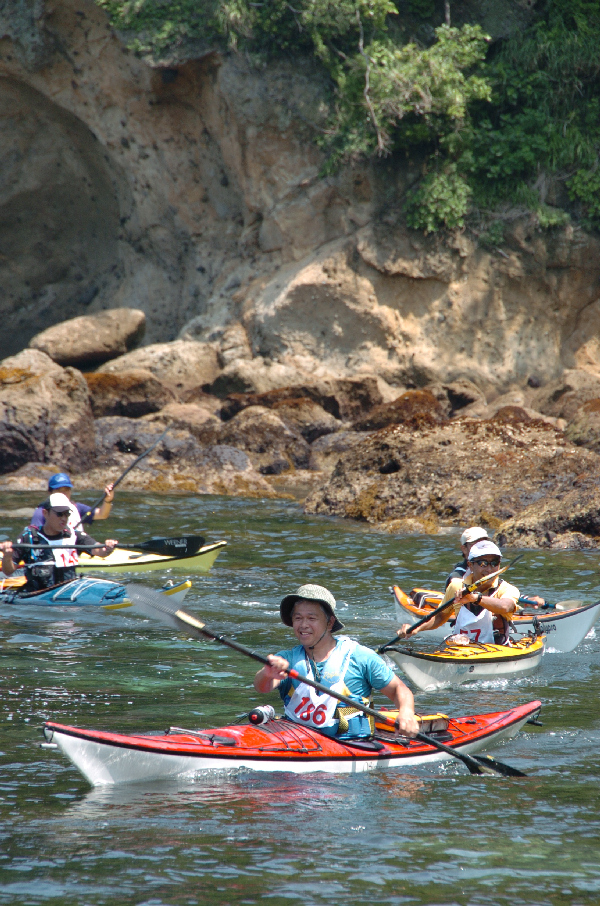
488 121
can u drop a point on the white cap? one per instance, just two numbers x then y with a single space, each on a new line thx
484 548
471 535
59 500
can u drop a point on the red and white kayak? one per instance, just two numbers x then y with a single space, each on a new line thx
278 745
564 629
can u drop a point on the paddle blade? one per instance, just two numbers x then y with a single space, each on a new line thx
184 546
498 766
157 606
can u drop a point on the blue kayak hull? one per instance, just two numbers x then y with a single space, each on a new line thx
84 592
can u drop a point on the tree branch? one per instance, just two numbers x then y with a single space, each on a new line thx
361 47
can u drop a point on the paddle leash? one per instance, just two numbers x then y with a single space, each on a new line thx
153 604
472 587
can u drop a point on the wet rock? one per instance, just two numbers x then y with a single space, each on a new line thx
184 366
130 393
45 413
416 409
89 340
272 447
569 519
179 462
462 472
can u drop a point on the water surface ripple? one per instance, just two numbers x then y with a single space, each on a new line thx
431 836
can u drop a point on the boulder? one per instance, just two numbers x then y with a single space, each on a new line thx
254 376
272 447
562 398
190 416
130 393
584 429
305 417
570 522
184 366
416 409
45 413
179 462
89 340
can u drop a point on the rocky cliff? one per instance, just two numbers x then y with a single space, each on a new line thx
192 192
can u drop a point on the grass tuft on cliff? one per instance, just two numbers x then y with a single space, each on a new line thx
500 127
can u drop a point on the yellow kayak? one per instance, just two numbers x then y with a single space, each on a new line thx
122 560
454 664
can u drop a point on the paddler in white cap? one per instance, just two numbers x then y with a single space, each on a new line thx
338 663
481 616
468 538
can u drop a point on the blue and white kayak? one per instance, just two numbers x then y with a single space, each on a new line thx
85 592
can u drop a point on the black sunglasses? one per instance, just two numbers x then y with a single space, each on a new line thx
61 512
493 563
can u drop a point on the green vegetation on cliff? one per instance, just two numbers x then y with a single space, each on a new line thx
497 126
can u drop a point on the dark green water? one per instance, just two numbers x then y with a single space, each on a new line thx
436 835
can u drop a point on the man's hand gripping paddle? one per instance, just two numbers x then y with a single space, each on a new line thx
472 587
155 605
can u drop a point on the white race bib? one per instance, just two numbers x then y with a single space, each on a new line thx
478 628
307 707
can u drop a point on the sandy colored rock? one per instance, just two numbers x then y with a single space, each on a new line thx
92 339
460 473
415 409
131 393
564 397
183 366
190 416
45 413
272 447
179 462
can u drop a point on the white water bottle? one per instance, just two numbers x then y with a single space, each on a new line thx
262 714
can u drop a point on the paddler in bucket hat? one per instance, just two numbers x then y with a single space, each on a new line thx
339 663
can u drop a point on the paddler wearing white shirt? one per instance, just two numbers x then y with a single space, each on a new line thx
56 560
341 664
483 615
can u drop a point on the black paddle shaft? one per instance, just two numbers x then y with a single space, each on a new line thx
144 596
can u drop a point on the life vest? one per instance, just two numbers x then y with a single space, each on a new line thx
53 564
305 705
481 625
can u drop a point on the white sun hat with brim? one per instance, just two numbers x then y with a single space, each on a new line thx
316 593
59 500
471 535
484 549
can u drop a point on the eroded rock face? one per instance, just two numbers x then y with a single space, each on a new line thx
91 340
45 413
183 366
128 393
463 472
